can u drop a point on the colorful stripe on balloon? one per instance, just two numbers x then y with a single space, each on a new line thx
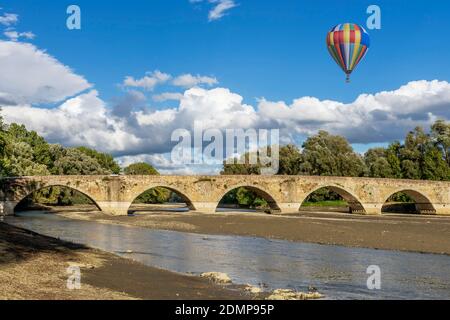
348 43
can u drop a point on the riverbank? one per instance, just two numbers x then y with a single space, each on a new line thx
416 233
35 267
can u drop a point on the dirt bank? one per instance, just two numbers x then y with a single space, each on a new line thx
416 233
35 267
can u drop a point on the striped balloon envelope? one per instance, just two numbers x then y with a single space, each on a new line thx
348 44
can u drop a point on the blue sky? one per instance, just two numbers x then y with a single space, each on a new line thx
272 49
258 49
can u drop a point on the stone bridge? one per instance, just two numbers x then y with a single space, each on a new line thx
285 194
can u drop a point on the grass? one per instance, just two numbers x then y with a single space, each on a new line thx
330 203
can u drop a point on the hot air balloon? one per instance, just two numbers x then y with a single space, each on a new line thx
348 43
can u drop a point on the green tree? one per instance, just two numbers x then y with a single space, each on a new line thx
105 160
40 147
378 162
59 196
412 154
154 195
434 166
141 169
329 155
440 133
323 194
248 198
290 160
242 167
410 170
245 198
20 161
3 144
393 158
74 162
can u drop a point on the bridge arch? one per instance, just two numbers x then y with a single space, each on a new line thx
258 190
355 205
27 191
183 195
423 204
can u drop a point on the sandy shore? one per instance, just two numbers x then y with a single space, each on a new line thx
35 267
428 234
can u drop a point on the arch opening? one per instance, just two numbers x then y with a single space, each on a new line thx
247 199
58 198
160 199
408 202
332 199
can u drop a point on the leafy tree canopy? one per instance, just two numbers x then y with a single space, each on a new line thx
140 169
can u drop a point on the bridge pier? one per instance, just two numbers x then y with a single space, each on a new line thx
205 207
440 209
289 207
370 209
7 207
116 208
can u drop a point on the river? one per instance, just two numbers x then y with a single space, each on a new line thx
337 272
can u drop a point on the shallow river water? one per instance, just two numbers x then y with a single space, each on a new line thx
338 272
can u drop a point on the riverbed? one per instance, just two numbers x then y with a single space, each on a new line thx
335 271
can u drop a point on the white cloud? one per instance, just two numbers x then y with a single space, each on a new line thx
189 81
31 76
15 35
220 9
166 96
371 118
155 78
148 82
83 120
8 19
131 131
378 118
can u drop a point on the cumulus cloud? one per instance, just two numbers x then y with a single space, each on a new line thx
124 106
189 81
148 82
371 118
130 130
166 96
127 130
83 120
31 76
15 35
8 19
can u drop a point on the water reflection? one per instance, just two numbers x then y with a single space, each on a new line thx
338 272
